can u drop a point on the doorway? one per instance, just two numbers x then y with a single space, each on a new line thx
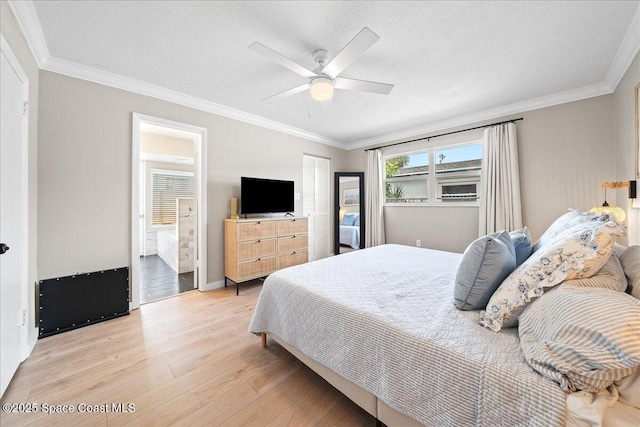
13 214
168 236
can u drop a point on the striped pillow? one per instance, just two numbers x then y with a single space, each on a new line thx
582 338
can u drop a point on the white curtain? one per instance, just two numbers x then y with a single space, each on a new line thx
500 207
374 192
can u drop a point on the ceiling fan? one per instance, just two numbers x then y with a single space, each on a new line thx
325 79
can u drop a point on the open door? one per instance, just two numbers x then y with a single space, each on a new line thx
168 215
13 215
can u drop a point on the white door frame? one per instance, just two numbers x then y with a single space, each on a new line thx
201 197
24 223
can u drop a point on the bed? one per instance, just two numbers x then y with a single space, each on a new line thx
392 324
350 235
379 324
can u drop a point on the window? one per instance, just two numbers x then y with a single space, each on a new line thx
406 178
166 187
455 176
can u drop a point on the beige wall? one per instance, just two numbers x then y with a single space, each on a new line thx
624 138
165 145
12 33
565 151
85 171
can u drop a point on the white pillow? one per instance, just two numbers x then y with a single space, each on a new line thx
582 338
578 252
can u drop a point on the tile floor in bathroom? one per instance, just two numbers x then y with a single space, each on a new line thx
158 280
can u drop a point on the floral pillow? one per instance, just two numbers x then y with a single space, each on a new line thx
578 252
566 221
610 276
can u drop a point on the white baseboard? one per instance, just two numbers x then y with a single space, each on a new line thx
213 285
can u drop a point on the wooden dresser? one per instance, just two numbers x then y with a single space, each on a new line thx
257 247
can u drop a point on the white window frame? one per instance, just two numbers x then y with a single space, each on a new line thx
155 171
434 188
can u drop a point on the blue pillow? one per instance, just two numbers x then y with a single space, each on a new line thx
348 219
522 243
485 263
356 221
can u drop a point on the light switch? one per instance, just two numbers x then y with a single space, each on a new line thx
296 196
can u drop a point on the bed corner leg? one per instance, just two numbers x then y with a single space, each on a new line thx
378 423
263 339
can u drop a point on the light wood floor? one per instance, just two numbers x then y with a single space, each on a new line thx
184 361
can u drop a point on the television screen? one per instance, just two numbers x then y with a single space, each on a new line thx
265 195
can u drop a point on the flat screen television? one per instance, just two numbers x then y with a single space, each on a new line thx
259 195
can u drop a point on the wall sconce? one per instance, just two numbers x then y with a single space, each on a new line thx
617 212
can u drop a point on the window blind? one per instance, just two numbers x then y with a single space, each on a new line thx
166 187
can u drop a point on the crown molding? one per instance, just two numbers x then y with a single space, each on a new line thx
72 69
627 52
29 23
27 18
520 107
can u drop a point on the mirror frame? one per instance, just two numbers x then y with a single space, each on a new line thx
336 209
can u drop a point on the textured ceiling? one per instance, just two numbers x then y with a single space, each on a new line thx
446 59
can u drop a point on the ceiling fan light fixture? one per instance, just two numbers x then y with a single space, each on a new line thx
321 89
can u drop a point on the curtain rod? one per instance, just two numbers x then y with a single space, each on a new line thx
444 134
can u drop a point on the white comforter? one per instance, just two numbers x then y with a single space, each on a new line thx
350 235
384 319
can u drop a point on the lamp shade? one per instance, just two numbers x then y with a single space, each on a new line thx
617 212
321 89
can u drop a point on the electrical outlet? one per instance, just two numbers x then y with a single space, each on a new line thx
418 243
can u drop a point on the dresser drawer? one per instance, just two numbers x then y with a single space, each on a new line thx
293 243
256 249
256 230
256 268
292 226
294 258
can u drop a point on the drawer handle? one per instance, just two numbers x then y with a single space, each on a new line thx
258 241
258 222
293 237
294 253
258 260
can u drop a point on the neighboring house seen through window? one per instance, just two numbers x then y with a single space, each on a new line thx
455 176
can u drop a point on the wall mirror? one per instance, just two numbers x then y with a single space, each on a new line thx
348 217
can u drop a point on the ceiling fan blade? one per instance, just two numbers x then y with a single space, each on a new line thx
356 47
288 92
362 86
282 60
